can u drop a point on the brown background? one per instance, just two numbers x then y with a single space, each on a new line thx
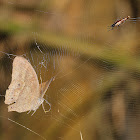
97 88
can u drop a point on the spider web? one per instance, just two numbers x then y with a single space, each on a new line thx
78 60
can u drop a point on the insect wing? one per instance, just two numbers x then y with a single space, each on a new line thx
16 84
44 86
23 74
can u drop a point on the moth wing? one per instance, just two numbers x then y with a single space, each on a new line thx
17 82
29 93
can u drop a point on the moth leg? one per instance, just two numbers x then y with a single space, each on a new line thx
48 104
33 113
29 112
35 109
41 84
43 108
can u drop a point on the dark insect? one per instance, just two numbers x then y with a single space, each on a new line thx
119 22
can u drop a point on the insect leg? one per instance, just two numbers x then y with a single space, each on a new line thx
29 112
33 113
48 104
43 108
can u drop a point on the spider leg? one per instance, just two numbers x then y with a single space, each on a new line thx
118 26
110 28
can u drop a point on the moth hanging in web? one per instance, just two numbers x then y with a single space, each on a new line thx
24 92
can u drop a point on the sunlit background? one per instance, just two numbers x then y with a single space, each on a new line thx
96 92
